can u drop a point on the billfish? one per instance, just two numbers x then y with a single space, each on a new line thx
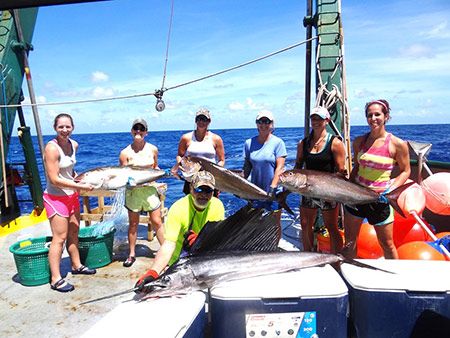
327 186
227 180
116 177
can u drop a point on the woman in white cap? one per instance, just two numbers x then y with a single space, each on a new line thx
143 198
320 151
201 143
264 161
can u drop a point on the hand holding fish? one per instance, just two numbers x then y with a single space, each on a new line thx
142 284
272 193
189 239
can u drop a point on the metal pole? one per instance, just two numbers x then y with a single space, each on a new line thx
308 66
30 88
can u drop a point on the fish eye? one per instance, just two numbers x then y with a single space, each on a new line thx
167 279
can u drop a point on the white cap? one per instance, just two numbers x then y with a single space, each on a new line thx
322 112
264 113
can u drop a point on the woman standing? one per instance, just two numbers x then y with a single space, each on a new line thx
264 162
323 152
61 201
374 157
143 198
201 143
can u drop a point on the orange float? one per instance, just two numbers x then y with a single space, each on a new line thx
323 241
419 251
408 230
412 200
442 234
437 192
367 242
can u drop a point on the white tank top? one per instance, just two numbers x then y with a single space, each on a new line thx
140 158
204 149
66 165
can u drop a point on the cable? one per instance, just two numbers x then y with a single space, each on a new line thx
167 49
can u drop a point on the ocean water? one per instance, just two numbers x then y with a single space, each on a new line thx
97 150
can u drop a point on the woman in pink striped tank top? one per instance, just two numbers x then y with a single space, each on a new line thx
374 156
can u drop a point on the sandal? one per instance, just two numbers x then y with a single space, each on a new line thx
83 270
129 261
66 288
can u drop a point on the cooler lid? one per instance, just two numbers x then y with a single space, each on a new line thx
316 282
162 317
410 275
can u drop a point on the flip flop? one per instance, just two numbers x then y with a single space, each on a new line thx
83 270
129 261
66 288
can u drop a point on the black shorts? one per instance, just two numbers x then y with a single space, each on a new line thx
315 203
376 213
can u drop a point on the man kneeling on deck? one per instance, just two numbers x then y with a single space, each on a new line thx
185 219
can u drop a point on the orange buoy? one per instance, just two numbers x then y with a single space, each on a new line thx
437 192
419 250
412 199
442 234
367 243
405 233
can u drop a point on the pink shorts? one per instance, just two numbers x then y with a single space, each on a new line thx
64 206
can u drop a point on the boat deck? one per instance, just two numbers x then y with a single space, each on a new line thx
38 311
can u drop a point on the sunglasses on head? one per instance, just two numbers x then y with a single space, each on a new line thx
201 118
263 121
139 127
205 189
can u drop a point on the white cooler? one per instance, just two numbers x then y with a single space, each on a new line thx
173 317
310 302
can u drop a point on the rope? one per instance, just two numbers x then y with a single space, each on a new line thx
167 49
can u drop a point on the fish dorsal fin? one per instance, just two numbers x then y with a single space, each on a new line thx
246 230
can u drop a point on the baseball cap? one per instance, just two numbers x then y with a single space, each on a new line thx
139 121
203 178
204 112
265 113
321 111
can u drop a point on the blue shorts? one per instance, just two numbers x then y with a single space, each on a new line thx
376 213
315 203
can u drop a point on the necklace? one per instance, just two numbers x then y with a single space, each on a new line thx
316 145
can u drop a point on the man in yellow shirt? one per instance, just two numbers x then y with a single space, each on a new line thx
188 216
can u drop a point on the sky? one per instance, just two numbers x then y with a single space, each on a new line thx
397 50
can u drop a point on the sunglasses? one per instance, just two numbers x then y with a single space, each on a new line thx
138 127
201 118
263 121
205 189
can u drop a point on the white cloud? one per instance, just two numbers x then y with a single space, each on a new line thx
97 77
439 31
417 50
363 93
102 92
236 106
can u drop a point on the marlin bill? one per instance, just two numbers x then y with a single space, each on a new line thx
116 177
327 186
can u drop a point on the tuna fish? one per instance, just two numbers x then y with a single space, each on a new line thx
116 177
227 180
327 186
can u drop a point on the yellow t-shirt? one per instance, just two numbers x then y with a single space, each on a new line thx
180 215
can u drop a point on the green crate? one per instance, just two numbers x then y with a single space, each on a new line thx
31 257
95 251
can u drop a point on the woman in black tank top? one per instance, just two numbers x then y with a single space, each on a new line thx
322 152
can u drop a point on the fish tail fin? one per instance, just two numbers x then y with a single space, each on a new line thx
362 265
281 200
393 196
174 171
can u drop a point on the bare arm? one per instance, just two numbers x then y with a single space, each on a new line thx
338 149
182 146
123 158
155 157
401 155
52 163
220 150
356 143
163 256
299 158
278 170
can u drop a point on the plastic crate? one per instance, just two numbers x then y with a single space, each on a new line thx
31 258
95 251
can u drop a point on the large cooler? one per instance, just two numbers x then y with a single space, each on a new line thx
173 317
413 302
310 302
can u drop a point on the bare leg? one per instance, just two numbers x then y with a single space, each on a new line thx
330 220
386 240
59 226
352 225
72 240
155 217
307 217
133 218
